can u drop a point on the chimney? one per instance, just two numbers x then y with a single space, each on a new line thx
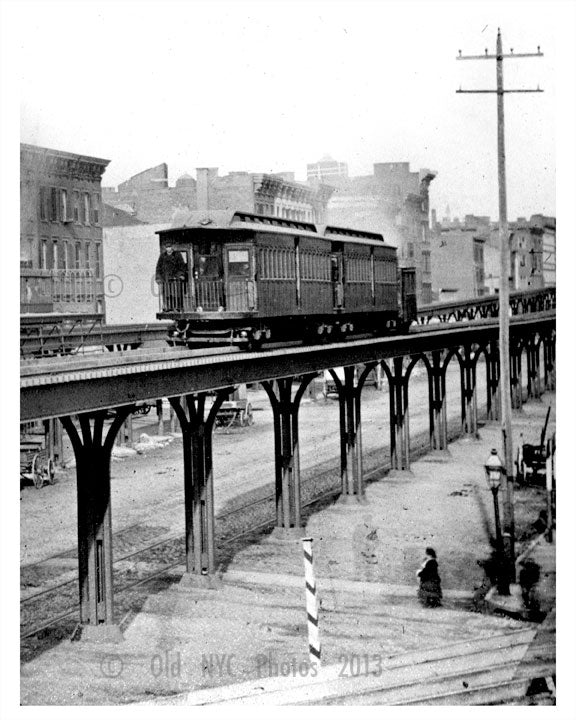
204 179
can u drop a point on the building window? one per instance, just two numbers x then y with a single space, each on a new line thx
410 250
53 204
63 257
43 255
97 261
78 256
76 206
54 253
43 203
87 256
63 205
96 209
426 260
86 217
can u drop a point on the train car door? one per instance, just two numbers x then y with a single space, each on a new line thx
239 278
337 264
208 283
408 294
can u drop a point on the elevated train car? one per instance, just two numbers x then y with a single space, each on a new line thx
258 278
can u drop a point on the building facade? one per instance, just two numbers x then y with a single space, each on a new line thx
60 230
150 198
526 256
458 271
395 202
548 226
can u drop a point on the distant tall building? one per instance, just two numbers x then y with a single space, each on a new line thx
326 169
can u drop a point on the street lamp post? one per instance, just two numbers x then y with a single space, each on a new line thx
494 473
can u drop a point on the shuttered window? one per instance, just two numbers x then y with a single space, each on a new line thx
315 266
277 264
358 269
384 271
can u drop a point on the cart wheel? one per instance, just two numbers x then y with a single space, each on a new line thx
37 472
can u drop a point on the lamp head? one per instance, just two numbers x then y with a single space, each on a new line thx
494 470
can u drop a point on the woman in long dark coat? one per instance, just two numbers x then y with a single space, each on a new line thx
430 591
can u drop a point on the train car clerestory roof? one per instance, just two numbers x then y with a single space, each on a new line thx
215 220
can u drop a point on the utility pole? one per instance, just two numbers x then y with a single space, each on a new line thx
504 292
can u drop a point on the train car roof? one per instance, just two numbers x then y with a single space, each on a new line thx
224 220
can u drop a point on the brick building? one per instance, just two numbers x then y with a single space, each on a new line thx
548 227
526 255
395 202
532 253
457 258
148 196
60 231
152 200
532 250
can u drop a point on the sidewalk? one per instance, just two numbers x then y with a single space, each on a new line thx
246 635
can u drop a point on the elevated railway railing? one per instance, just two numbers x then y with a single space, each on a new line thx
521 302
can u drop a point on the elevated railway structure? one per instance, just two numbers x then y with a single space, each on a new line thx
521 302
70 334
82 390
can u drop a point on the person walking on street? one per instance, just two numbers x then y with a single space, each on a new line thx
430 591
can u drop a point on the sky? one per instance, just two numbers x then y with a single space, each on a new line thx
272 86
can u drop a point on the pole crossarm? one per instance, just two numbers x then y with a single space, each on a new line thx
503 92
499 57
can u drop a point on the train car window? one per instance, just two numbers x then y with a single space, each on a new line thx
208 266
239 263
335 270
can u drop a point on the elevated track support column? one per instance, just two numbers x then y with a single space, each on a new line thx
350 403
533 369
549 342
437 406
516 374
469 404
492 382
197 426
285 409
93 451
399 417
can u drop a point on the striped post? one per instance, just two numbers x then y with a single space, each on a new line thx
311 604
549 490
